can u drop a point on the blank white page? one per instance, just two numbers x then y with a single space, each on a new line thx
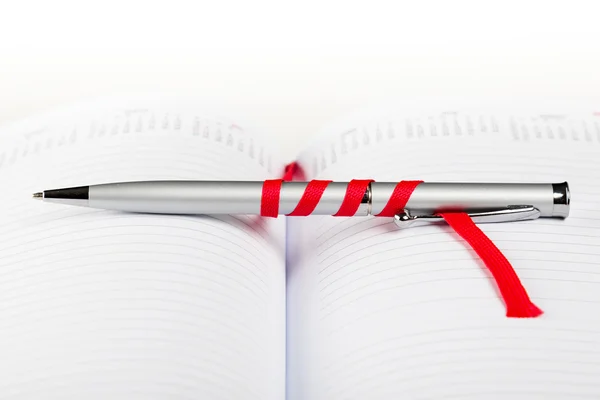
379 313
109 305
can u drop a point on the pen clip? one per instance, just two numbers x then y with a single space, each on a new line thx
405 219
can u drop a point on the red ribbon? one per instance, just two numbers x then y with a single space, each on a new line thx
514 294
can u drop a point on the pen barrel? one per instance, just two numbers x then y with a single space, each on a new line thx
210 197
179 197
243 197
552 200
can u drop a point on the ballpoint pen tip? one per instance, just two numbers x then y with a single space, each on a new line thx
38 195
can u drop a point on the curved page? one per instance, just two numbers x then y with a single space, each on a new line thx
116 305
380 313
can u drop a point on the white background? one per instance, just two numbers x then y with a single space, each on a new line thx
292 66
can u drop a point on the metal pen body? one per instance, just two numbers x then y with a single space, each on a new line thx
209 197
244 197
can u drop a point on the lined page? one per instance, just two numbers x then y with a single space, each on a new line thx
123 306
380 313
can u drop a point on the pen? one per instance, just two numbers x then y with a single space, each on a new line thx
485 202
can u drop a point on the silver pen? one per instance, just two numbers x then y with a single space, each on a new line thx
485 202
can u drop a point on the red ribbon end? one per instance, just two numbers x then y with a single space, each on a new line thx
528 311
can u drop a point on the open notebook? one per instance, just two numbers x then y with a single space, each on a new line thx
114 305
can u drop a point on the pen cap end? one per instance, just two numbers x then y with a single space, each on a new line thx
562 200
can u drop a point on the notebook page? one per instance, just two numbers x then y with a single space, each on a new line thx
123 306
379 313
